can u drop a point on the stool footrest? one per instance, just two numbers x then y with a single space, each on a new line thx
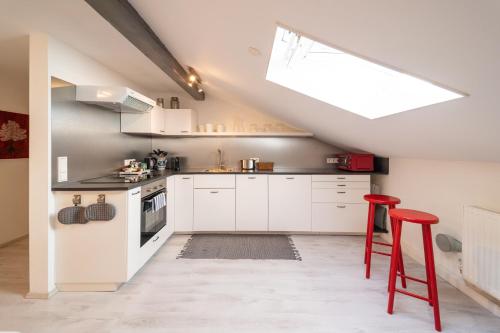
382 253
381 243
412 278
413 295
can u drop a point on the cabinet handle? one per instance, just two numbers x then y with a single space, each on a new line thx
214 192
157 237
136 192
252 177
341 185
186 177
340 192
340 177
340 206
162 131
290 177
184 131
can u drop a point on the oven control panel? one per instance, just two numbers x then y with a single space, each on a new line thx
153 187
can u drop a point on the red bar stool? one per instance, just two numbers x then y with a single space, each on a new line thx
426 220
378 199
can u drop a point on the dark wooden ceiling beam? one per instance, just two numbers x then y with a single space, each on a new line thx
123 16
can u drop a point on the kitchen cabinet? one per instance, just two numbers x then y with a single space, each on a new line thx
339 217
289 203
338 204
101 255
183 203
214 209
180 121
214 181
152 122
252 203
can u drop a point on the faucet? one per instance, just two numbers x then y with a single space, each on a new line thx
220 164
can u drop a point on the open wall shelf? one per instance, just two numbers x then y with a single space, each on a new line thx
243 134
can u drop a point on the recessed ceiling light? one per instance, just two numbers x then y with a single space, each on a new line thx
347 81
254 51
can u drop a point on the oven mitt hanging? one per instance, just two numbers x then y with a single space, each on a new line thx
100 212
72 215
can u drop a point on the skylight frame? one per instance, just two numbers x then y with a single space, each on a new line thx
429 85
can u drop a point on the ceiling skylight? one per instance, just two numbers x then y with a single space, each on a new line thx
347 81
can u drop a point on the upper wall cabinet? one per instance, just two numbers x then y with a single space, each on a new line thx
180 121
152 122
160 121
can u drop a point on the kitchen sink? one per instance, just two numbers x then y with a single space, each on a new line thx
219 170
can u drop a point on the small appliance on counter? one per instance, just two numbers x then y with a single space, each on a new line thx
354 162
176 163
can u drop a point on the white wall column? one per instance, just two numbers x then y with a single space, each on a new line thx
41 233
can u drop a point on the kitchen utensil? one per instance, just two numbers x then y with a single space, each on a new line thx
174 103
248 164
221 128
209 127
265 166
160 102
201 128
100 211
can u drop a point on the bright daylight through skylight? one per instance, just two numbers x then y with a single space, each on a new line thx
347 81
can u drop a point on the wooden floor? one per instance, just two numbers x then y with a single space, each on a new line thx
325 292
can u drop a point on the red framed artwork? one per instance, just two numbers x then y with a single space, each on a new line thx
14 129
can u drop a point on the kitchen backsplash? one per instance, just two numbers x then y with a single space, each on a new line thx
90 137
284 152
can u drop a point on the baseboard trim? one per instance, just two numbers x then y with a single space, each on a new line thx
63 287
13 241
48 295
304 233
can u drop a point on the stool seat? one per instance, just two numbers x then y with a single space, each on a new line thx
413 216
381 199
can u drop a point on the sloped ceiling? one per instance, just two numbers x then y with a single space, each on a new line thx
453 42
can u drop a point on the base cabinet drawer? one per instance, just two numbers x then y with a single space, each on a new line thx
339 195
339 217
214 210
214 181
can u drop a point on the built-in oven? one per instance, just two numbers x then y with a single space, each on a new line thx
153 209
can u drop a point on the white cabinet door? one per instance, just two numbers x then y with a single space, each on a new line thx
133 231
152 122
339 217
157 120
251 203
183 203
170 205
214 210
290 203
180 121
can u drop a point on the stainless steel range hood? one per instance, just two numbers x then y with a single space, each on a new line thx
119 99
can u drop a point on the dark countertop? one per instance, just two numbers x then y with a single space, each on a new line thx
79 186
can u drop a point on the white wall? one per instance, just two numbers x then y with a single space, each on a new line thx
48 58
13 172
215 110
443 188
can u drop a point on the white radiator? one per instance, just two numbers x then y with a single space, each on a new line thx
481 251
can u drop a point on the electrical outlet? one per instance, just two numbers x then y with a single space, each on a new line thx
330 160
62 169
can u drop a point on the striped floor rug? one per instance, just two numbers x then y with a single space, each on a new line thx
210 246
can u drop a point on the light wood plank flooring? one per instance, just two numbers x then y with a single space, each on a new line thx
325 292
